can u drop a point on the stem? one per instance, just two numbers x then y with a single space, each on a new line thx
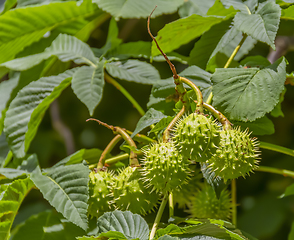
141 137
107 150
158 216
172 67
220 117
136 105
284 172
116 159
235 51
234 201
199 96
209 99
171 204
172 123
276 148
117 130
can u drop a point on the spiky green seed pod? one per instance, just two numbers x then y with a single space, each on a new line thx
100 186
236 156
164 168
197 137
205 204
130 193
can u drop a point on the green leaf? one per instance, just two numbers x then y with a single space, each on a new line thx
182 31
204 47
8 4
87 84
255 61
28 107
10 202
291 234
218 9
229 41
47 225
134 71
262 25
6 89
138 9
277 111
4 148
65 47
66 189
112 235
237 4
198 7
151 116
89 155
31 23
287 13
162 124
27 166
131 225
112 40
261 126
247 94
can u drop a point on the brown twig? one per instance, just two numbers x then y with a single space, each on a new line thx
172 67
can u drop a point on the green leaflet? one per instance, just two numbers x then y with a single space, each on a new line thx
31 23
27 166
204 47
66 189
198 7
6 89
28 107
10 203
134 71
47 225
65 47
247 94
87 84
151 116
138 9
131 225
182 31
261 25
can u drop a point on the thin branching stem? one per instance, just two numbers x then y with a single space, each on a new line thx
199 107
136 105
117 130
276 148
107 150
284 172
234 201
158 216
170 126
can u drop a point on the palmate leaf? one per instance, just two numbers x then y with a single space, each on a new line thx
66 189
65 47
138 9
247 94
182 31
31 23
46 225
131 225
10 203
261 25
134 71
198 7
87 84
28 107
